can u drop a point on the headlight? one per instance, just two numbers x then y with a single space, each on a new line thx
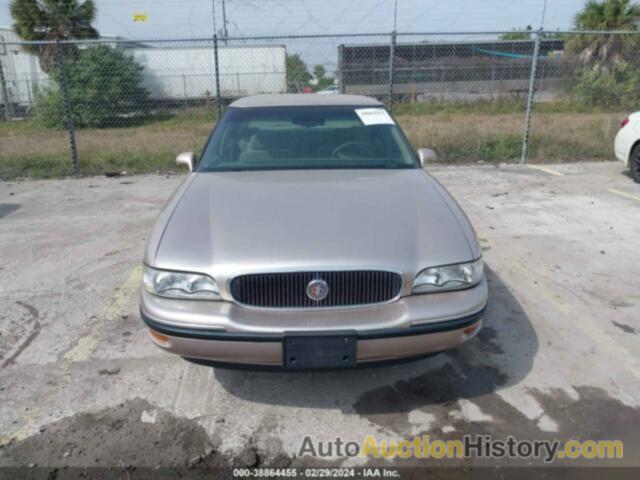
179 285
449 277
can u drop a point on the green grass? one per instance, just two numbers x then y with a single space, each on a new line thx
16 127
460 133
494 107
37 166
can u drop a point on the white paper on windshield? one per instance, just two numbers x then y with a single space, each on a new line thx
374 116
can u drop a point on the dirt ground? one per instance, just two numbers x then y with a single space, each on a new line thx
82 386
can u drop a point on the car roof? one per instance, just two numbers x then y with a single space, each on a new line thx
305 100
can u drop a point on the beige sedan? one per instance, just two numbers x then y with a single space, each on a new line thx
309 235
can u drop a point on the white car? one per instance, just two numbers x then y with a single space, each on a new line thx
330 90
627 144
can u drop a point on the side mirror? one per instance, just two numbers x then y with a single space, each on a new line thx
188 159
427 156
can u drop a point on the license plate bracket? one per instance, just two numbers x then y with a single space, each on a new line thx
311 350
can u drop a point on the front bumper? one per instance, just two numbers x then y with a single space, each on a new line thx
225 332
267 349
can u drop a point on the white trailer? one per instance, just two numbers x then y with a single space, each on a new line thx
182 73
21 71
189 73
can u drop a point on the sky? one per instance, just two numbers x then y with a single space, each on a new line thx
194 18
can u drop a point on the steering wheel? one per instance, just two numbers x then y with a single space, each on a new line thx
358 148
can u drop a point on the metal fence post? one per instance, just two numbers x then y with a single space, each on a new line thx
532 91
29 91
8 108
69 111
340 71
392 54
217 69
184 90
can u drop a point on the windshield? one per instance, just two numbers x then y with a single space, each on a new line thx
273 138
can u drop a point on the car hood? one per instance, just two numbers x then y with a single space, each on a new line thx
228 223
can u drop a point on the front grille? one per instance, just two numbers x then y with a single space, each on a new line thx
289 290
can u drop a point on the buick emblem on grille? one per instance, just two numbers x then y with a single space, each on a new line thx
317 290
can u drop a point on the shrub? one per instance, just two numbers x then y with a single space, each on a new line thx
104 89
598 87
609 88
607 67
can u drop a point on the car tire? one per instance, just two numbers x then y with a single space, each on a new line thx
634 163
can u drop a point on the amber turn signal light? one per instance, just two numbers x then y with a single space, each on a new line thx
471 329
158 336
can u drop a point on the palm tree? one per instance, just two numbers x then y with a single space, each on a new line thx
603 51
608 15
48 20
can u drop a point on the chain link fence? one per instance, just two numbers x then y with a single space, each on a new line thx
108 106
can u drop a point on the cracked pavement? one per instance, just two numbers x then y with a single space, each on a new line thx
81 384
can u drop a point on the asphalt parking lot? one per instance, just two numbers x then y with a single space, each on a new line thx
81 385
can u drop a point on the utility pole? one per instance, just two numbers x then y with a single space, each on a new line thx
544 14
224 21
213 16
395 15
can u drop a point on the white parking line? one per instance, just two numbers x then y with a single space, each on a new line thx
625 194
546 170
